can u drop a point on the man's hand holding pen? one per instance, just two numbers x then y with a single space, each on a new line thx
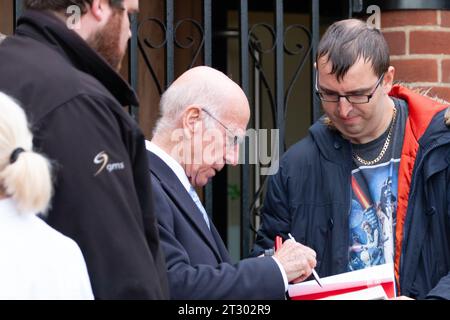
296 259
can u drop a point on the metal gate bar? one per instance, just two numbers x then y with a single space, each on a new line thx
245 168
17 10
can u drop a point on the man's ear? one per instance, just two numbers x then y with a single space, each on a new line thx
98 9
388 80
191 117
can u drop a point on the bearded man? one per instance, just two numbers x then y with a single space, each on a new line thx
62 68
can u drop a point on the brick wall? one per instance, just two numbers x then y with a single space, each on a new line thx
419 41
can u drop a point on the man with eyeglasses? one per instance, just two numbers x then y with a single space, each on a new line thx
330 185
204 115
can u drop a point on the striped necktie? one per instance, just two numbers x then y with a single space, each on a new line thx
199 204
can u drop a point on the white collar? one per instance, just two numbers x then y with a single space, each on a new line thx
170 162
8 204
8 208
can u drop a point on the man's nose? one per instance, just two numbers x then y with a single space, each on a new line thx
344 107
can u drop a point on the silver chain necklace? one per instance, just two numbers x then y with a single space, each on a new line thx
383 150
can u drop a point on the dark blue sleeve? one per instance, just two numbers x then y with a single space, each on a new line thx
442 289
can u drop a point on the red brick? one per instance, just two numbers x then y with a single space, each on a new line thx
446 70
445 18
396 42
416 70
431 42
408 18
440 92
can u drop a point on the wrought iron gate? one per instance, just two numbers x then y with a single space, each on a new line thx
253 78
251 52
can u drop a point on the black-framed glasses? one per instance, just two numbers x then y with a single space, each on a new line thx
235 140
117 4
352 98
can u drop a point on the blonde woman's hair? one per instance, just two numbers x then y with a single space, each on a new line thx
25 177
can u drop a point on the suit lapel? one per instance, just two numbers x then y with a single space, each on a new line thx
181 198
223 251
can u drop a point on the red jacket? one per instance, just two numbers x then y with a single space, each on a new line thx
421 111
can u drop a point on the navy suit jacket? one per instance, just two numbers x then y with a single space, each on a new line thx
198 263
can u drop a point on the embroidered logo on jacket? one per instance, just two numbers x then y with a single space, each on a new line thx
103 160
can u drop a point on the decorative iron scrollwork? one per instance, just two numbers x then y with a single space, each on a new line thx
189 44
153 45
298 51
257 43
256 46
257 51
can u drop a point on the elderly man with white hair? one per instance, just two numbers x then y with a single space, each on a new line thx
203 116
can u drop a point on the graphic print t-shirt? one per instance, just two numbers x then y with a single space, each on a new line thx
374 197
